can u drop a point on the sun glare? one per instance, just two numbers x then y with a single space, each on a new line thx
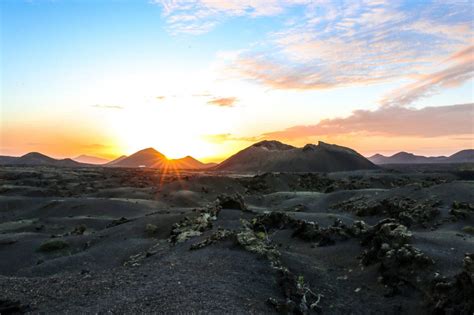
170 128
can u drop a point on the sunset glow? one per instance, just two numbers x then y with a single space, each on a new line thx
110 78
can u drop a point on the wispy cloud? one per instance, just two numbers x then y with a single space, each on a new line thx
337 44
107 106
460 69
390 121
200 16
223 101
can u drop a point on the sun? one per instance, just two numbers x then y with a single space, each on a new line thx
174 133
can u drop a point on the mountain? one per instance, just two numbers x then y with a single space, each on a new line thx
154 159
88 159
404 158
35 158
463 156
189 162
144 158
5 160
113 162
274 156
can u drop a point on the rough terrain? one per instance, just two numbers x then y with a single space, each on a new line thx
96 240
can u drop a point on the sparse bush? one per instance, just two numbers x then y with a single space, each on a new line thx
151 229
79 230
468 229
53 245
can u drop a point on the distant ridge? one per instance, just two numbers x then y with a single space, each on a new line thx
274 156
88 159
154 159
464 156
264 156
36 158
144 158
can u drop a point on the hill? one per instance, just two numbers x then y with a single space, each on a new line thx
113 162
35 158
154 159
464 156
88 159
274 156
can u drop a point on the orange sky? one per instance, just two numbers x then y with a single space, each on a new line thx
208 78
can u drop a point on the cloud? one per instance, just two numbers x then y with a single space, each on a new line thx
460 70
201 16
390 121
337 44
223 101
107 106
327 44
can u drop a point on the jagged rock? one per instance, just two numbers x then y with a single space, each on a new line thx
307 231
405 210
188 228
235 201
461 210
251 241
79 230
272 220
315 182
219 235
454 296
299 298
120 221
257 183
388 243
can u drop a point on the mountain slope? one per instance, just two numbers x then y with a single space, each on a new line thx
274 156
88 159
144 158
113 162
154 159
462 156
410 158
35 158
189 162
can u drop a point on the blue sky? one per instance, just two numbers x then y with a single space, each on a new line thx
214 76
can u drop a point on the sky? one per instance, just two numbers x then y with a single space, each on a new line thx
210 77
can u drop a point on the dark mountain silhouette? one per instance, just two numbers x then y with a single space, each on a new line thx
152 158
88 159
463 156
35 158
144 158
113 162
5 160
189 162
274 156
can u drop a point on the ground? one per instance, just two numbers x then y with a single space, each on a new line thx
94 240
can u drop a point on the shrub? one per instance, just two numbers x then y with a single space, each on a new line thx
151 229
53 245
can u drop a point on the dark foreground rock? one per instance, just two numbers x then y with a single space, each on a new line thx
139 241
